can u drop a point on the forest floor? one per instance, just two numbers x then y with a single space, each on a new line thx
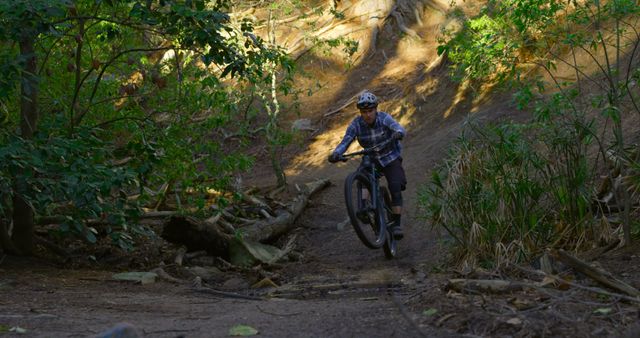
336 287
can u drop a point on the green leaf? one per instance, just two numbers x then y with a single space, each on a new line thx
242 330
430 312
91 237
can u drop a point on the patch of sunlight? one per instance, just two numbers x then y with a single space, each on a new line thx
409 55
317 152
406 120
168 56
460 96
129 87
378 275
373 9
484 94
413 49
403 113
427 87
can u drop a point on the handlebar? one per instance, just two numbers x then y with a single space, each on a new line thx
371 150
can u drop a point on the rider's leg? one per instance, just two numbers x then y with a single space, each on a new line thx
364 207
396 217
397 183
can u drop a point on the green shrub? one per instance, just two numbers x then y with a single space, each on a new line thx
71 177
509 190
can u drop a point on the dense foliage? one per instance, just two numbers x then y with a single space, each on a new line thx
130 96
511 190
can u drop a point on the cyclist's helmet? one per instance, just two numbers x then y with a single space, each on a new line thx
367 100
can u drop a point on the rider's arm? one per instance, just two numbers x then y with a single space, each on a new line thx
348 138
393 125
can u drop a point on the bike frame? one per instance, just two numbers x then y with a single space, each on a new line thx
368 167
368 170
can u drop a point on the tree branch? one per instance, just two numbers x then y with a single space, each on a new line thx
104 68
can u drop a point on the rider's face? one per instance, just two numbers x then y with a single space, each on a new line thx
368 114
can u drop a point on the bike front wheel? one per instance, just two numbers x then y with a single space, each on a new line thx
358 195
390 246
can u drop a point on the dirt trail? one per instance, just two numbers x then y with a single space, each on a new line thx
339 288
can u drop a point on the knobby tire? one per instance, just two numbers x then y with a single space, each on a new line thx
371 235
390 246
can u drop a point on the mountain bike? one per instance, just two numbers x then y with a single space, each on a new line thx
368 203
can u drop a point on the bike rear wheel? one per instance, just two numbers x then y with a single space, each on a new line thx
362 213
390 246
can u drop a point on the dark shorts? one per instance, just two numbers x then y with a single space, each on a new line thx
396 178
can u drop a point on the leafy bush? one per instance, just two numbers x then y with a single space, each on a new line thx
495 43
73 177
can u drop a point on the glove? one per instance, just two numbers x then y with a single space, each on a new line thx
397 135
334 157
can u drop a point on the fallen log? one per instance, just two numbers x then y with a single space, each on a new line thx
255 201
486 285
197 235
337 110
270 229
158 214
561 280
599 251
180 256
599 275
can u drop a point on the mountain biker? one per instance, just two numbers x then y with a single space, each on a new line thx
370 128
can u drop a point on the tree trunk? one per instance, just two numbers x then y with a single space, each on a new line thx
277 167
6 245
23 236
29 88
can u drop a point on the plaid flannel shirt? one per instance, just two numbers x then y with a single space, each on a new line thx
383 127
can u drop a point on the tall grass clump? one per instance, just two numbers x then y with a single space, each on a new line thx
570 175
509 190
